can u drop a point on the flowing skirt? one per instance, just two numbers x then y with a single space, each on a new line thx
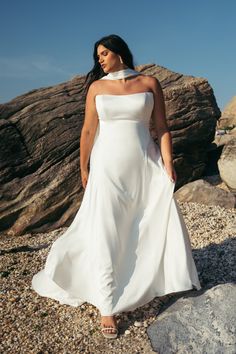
128 242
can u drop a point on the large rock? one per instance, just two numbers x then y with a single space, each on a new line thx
39 146
214 150
201 191
201 322
221 140
228 116
227 164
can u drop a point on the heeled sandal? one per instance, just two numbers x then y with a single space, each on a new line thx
109 335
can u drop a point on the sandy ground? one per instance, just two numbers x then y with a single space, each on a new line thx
33 324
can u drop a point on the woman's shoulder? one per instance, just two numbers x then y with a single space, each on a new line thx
95 86
148 77
150 81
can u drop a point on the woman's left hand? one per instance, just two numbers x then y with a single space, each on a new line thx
171 171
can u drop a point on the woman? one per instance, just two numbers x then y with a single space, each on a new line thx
128 242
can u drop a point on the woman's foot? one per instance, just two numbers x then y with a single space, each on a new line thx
107 322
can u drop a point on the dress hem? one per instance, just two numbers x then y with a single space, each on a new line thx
78 303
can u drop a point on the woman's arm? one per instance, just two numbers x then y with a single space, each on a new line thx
88 132
161 128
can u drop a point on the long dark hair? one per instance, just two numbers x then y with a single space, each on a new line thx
117 45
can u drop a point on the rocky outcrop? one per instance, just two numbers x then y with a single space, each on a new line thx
221 140
214 150
228 116
227 164
39 146
197 323
39 158
202 192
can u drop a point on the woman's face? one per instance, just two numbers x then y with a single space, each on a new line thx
108 60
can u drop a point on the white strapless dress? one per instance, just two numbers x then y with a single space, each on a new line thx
128 242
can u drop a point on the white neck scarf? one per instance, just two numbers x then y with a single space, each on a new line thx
121 74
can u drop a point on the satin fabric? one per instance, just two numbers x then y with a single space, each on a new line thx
128 242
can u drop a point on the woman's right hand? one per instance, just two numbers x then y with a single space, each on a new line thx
84 177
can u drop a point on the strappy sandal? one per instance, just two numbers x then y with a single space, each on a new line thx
109 335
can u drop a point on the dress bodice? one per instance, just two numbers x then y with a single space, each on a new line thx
134 106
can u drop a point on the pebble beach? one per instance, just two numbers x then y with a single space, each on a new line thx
38 325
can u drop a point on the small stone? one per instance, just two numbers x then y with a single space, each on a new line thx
137 324
127 331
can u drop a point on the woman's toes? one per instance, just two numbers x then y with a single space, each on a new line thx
109 330
108 321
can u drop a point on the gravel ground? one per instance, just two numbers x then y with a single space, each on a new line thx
33 324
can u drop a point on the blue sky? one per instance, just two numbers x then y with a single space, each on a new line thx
47 42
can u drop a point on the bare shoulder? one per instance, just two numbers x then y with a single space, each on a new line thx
94 85
93 88
152 82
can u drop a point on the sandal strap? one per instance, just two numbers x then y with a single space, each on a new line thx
105 328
